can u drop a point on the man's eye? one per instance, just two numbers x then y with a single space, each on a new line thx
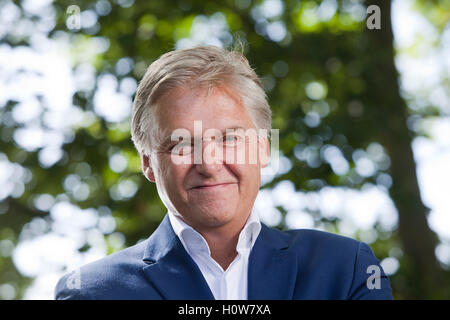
231 139
181 149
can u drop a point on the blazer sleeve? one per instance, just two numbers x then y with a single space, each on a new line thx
369 280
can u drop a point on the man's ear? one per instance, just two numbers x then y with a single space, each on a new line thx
147 167
264 151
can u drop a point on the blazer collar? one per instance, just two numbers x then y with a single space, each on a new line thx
272 267
170 268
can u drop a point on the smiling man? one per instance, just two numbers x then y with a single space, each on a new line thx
200 123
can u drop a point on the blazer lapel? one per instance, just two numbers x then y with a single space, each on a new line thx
170 268
272 270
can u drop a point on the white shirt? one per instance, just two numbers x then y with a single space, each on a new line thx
230 284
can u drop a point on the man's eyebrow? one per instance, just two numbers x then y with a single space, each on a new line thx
233 129
168 139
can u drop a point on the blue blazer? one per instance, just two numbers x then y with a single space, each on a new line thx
293 264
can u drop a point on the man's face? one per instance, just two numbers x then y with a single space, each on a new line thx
218 189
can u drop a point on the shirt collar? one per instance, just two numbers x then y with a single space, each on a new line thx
194 243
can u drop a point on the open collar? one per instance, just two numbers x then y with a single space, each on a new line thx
174 274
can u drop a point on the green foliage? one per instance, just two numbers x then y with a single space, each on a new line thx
319 81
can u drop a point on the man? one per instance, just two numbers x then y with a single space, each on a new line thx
200 122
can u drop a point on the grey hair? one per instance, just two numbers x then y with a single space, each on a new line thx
196 67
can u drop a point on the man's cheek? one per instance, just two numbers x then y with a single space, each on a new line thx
239 171
233 156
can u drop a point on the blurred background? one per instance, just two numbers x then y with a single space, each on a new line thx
364 119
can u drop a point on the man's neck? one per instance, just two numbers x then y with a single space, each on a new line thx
222 246
222 240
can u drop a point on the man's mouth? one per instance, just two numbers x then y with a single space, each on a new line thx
213 186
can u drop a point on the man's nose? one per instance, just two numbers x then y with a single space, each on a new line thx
211 157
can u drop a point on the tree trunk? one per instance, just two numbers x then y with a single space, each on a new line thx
416 237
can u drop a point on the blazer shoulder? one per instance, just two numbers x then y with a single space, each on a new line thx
321 239
92 280
350 261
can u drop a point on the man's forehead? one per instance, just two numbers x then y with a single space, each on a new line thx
181 103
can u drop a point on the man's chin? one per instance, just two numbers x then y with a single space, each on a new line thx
213 218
